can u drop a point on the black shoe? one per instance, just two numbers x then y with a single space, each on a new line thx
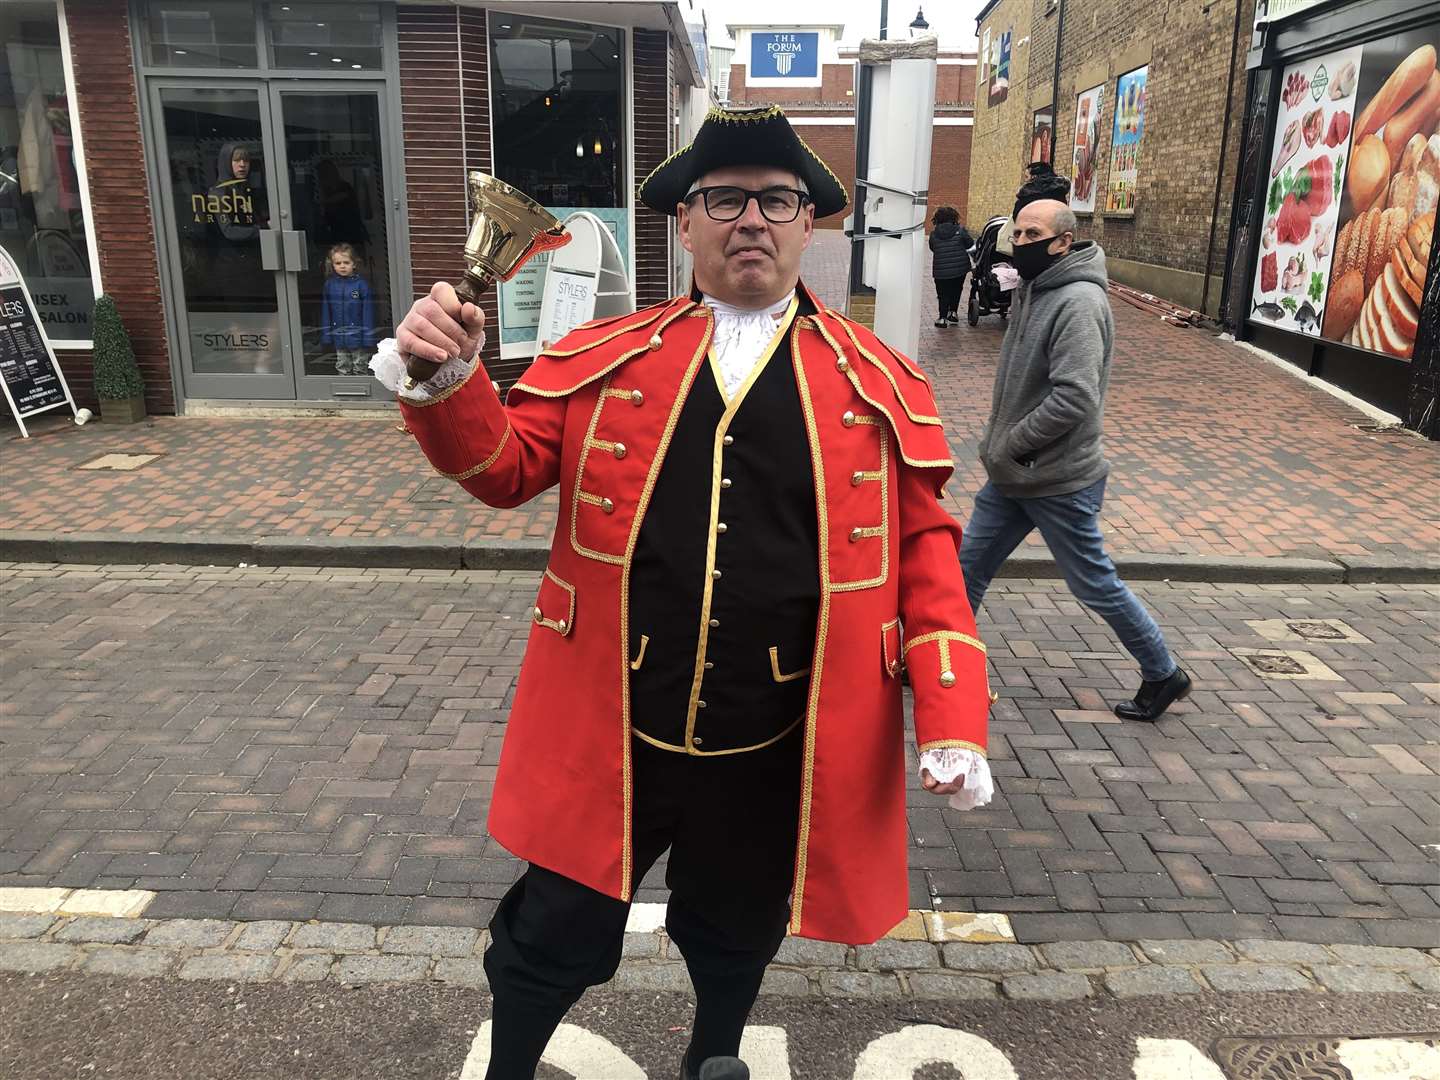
1153 698
715 1068
939 323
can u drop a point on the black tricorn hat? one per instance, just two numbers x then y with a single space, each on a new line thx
761 136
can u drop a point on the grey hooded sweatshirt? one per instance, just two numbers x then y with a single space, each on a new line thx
1045 432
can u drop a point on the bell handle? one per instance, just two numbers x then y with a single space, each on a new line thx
471 287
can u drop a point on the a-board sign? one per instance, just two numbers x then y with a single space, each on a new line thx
29 373
586 280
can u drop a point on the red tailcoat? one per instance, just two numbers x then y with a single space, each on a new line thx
595 415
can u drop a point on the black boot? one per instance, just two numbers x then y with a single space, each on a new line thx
1153 698
715 1068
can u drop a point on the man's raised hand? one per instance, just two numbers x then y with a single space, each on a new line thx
437 328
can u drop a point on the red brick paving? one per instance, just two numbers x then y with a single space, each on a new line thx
1214 452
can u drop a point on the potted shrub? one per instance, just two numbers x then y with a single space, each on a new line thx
117 377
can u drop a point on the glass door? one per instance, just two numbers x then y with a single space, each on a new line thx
225 247
337 228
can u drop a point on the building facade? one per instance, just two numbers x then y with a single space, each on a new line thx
263 187
1152 177
817 91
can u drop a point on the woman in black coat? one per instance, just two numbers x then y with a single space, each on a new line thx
950 244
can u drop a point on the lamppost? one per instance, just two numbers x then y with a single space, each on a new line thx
918 26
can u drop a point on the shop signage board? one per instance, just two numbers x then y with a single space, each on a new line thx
586 280
785 55
1085 150
1126 131
29 373
521 297
1352 190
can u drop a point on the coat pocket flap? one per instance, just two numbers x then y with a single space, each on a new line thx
555 605
890 647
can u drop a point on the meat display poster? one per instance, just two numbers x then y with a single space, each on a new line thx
1372 113
1042 137
1085 158
1125 134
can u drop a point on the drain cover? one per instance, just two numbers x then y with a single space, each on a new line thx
1328 1057
119 462
1286 664
1317 631
1278 664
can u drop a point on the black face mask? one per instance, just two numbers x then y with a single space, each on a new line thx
1032 259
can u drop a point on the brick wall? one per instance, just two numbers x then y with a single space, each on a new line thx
119 200
652 79
1188 49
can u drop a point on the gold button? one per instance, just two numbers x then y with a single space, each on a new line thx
715 574
700 704
697 741
709 664
842 364
637 398
994 697
855 534
848 418
620 450
562 626
856 478
714 623
539 614
720 528
947 679
655 341
725 482
607 506
729 440
496 385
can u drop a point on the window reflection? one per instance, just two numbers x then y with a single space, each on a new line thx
217 34
325 37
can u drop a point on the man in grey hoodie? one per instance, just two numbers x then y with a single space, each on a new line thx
1044 446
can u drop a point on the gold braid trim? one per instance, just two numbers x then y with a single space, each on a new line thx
475 470
954 744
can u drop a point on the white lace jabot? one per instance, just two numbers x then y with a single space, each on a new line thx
741 335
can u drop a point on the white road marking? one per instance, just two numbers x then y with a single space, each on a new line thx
117 903
1389 1059
901 1054
767 1051
1172 1059
580 1053
32 901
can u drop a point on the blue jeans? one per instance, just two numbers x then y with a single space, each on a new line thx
1070 525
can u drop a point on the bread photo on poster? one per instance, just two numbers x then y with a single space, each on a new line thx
1388 203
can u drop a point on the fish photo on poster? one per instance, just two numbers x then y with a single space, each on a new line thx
1302 200
1388 202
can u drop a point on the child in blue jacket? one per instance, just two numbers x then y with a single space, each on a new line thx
347 312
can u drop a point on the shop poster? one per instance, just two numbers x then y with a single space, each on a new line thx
1042 136
1368 120
1000 77
521 296
1085 155
1125 135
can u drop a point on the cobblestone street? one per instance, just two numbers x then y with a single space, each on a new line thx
263 743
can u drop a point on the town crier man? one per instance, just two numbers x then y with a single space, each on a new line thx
749 549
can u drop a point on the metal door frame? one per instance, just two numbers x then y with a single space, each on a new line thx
249 387
329 388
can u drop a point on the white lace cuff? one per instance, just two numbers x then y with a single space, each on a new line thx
951 763
388 366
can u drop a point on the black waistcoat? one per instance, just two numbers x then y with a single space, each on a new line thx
725 580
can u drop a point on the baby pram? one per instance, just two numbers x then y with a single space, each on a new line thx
986 295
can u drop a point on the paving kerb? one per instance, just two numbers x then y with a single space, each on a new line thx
355 953
405 553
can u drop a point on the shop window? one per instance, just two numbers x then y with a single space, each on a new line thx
42 223
557 101
218 34
323 37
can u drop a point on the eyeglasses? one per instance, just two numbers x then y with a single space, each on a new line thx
780 205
